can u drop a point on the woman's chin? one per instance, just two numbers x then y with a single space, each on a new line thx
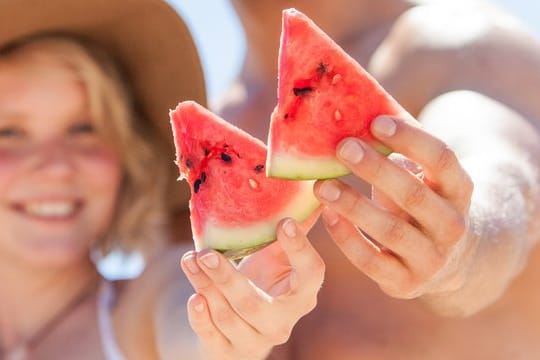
55 253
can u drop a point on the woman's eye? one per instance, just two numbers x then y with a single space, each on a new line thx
8 132
83 128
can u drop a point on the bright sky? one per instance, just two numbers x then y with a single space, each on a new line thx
221 43
219 38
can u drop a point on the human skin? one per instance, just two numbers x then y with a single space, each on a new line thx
53 207
447 310
49 153
59 182
243 313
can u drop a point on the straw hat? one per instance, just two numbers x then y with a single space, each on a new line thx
147 38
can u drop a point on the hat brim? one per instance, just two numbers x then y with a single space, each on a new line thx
148 39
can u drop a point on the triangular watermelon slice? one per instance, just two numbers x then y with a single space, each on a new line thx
234 207
324 96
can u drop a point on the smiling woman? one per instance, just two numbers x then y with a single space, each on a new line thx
55 100
85 90
51 149
79 134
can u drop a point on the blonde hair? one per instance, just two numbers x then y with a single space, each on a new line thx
141 213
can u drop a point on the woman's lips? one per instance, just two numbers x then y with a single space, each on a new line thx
49 209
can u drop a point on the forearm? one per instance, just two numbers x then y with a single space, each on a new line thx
500 151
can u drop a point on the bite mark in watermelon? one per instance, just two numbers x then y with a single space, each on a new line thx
234 207
324 96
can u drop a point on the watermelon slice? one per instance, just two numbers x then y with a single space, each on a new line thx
324 96
234 207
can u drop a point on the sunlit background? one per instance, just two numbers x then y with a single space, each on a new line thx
221 45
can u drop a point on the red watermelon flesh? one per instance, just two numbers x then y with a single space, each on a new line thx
324 96
234 207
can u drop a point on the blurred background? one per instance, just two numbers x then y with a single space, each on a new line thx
220 41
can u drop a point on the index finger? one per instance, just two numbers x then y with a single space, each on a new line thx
440 164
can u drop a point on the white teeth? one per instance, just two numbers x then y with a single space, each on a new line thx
50 209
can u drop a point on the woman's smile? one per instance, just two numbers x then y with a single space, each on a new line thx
56 210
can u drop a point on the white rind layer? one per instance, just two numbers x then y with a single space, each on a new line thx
284 165
236 238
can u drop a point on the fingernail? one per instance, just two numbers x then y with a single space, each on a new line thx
198 304
192 266
199 307
384 126
330 217
289 228
330 191
351 151
210 260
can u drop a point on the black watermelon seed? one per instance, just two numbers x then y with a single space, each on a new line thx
206 152
225 157
203 177
259 168
321 69
197 185
189 163
302 91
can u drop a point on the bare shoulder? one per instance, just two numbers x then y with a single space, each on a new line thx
435 48
455 25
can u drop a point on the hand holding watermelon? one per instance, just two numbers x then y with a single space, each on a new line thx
235 211
234 206
326 100
402 246
242 314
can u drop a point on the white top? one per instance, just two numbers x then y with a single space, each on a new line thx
105 302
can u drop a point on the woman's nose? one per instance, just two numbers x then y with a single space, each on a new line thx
55 158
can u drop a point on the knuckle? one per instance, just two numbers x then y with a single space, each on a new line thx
415 196
207 330
204 331
456 228
354 205
395 231
222 281
241 349
223 278
280 335
406 286
249 305
223 315
345 240
409 289
318 266
298 243
308 302
204 286
310 305
446 158
434 264
377 170
410 293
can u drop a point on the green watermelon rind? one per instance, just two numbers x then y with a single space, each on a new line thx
237 242
286 165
